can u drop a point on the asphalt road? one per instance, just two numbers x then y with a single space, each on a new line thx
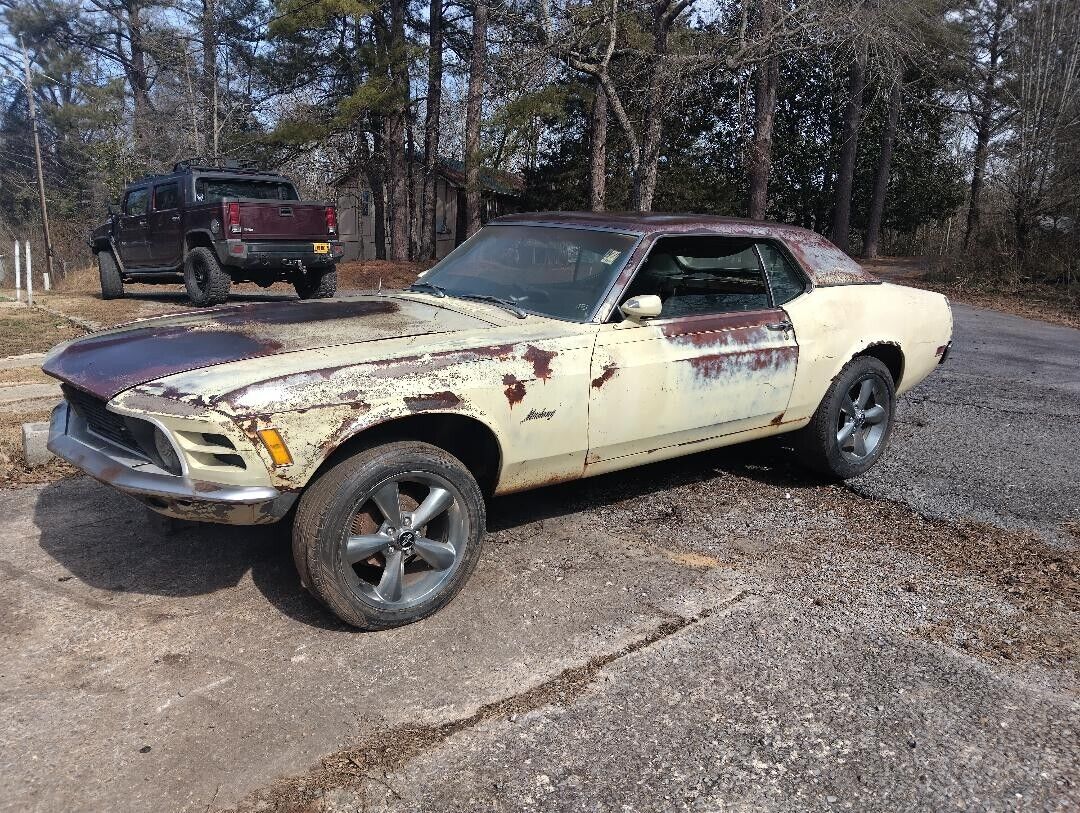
717 633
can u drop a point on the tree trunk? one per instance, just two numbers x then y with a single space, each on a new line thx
845 175
984 121
473 111
766 80
394 133
881 179
598 150
373 169
432 123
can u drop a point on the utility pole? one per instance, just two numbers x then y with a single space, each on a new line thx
37 158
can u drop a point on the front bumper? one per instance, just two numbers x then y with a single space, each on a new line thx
169 494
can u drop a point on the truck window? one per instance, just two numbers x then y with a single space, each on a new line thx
136 202
209 190
166 196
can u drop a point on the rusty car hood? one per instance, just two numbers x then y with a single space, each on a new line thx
107 363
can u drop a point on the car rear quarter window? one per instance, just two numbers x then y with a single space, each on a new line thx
166 196
786 283
136 202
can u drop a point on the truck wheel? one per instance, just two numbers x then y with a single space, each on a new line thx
317 284
206 282
112 284
848 433
388 536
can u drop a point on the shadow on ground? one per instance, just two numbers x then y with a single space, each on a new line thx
110 542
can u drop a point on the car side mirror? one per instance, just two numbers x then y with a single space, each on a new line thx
637 308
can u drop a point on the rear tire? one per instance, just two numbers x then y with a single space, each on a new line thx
317 284
205 280
390 535
851 427
112 284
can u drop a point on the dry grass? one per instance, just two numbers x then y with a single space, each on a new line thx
373 274
32 330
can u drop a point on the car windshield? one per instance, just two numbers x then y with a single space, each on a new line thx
553 271
210 190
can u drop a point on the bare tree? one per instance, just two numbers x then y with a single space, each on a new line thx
473 113
432 126
766 81
884 170
840 233
598 149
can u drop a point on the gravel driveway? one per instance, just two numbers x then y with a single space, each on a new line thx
717 633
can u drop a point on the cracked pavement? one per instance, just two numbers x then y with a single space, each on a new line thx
721 632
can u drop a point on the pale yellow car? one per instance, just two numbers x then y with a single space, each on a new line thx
544 349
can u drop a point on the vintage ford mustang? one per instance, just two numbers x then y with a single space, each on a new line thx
544 349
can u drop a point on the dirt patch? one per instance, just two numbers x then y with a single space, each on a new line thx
372 274
1030 301
32 330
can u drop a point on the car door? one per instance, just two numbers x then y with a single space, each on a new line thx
165 226
133 226
720 358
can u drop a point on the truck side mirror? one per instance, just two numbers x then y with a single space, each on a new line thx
637 308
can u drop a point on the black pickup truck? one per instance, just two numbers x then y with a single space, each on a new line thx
209 226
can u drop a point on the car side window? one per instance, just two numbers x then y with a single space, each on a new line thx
136 201
166 196
702 275
785 281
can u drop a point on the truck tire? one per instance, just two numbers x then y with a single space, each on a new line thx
848 433
389 535
112 284
317 283
206 282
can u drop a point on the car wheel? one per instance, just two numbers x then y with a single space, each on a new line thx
205 280
389 535
317 284
112 284
848 433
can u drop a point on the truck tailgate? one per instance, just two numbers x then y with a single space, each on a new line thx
283 220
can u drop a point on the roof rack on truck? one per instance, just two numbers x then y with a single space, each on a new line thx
228 164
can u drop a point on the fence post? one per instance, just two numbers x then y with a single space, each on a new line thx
29 276
18 274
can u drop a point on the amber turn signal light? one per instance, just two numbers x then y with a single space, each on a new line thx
276 446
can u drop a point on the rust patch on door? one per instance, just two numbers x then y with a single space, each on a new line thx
609 371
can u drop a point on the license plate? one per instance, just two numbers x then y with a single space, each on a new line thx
321 248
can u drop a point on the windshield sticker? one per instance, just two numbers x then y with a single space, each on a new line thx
611 256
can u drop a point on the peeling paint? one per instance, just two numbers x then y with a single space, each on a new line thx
434 400
515 390
609 370
540 360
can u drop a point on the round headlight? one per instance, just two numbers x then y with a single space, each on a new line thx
169 459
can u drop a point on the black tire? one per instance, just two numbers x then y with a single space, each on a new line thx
112 284
344 503
205 280
317 283
819 444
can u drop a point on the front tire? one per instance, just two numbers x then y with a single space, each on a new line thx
205 280
317 283
848 433
390 535
112 284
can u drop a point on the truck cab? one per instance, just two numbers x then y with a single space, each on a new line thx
209 225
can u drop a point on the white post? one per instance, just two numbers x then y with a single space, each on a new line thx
18 275
29 276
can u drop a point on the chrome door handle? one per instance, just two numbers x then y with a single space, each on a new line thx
785 325
175 218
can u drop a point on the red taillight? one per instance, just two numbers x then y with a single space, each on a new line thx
233 218
331 220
